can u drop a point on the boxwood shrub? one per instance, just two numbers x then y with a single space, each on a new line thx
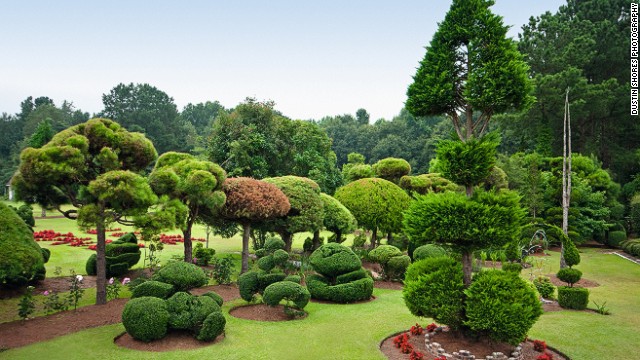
146 318
286 290
212 327
217 298
357 290
334 259
569 275
427 251
501 305
183 276
573 297
433 288
188 312
616 238
153 288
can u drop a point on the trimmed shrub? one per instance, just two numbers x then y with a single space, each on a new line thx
21 259
286 290
351 276
334 259
616 238
433 288
573 297
384 253
273 243
293 278
153 288
266 279
266 263
353 291
513 267
46 254
188 312
91 265
569 275
217 298
501 305
396 267
203 255
128 238
114 249
571 254
391 169
130 259
428 251
212 327
183 276
545 287
146 318
359 241
119 269
248 285
632 247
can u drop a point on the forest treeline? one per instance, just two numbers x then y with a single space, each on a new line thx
582 46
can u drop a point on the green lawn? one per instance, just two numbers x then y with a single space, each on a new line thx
354 331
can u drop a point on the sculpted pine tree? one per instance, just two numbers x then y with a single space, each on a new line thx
251 201
195 183
92 166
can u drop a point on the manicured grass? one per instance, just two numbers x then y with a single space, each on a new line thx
329 332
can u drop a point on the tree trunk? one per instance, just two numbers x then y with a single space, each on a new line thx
101 266
43 212
566 176
316 240
288 240
467 267
389 238
188 247
374 236
339 236
245 247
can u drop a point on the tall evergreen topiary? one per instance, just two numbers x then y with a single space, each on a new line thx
336 217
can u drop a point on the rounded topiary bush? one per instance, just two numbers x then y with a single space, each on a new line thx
396 267
348 292
21 259
188 311
384 253
433 288
334 259
570 276
286 290
91 266
146 318
501 305
153 288
212 327
573 297
217 298
428 251
616 238
544 286
183 276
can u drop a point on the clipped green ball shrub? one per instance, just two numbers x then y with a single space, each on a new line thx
273 243
293 278
46 254
433 288
428 251
248 285
569 275
153 288
396 267
616 238
91 265
334 259
384 253
286 290
117 248
217 298
21 258
545 287
573 297
183 276
212 327
188 311
501 305
356 290
146 318
513 267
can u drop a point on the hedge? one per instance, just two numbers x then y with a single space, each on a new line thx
573 297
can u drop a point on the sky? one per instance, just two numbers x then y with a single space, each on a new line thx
312 58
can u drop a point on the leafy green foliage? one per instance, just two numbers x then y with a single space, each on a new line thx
433 288
467 163
222 269
631 247
575 298
393 262
466 224
383 253
375 203
334 259
187 312
497 179
569 275
217 298
27 304
344 293
392 169
183 276
571 254
428 251
616 238
336 217
426 183
203 255
146 318
395 268
212 326
21 258
493 80
153 288
502 306
544 286
512 267
26 214
286 290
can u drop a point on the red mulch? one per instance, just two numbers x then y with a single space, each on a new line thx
20 333
262 312
175 340
451 343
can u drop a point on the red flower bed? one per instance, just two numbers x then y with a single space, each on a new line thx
61 239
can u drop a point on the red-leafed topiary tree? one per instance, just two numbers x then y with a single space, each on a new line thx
250 201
